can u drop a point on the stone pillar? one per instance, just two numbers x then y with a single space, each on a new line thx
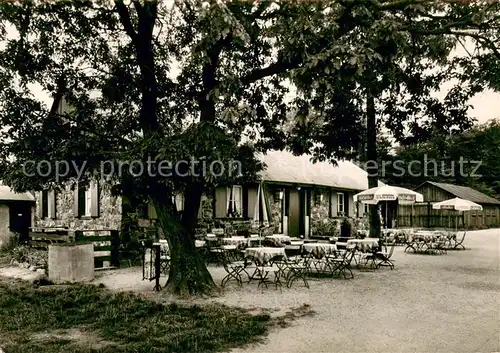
71 263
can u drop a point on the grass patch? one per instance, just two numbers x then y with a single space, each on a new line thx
122 323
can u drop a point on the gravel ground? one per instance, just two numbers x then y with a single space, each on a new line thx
428 303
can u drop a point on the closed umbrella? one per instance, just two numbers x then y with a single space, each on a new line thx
260 215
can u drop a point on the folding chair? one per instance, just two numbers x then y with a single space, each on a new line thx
342 264
385 257
459 243
233 268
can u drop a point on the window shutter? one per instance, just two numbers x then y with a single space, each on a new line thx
220 202
45 204
52 198
76 196
308 202
151 212
94 199
334 203
251 200
80 201
237 196
330 203
245 202
40 204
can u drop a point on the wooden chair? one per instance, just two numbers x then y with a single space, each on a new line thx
385 257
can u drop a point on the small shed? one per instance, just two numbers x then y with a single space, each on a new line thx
15 213
422 215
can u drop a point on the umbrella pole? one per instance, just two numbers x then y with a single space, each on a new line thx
386 207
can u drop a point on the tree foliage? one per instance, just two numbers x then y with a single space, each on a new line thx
439 159
218 80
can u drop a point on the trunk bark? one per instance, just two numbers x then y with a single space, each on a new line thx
371 160
188 274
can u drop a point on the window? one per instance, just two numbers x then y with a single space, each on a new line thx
340 203
234 201
367 207
87 201
47 206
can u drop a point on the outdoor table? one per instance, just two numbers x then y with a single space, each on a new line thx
263 255
319 250
279 238
425 241
365 245
239 241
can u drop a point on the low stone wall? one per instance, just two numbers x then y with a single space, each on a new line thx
71 263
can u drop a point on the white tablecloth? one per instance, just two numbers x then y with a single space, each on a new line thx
264 254
279 237
238 241
320 249
364 245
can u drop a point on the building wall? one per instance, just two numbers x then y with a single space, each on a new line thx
5 233
110 213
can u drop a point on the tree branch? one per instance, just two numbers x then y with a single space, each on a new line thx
125 19
346 23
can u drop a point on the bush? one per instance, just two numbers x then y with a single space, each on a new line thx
345 228
34 257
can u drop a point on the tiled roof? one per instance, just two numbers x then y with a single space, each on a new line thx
283 166
6 194
466 193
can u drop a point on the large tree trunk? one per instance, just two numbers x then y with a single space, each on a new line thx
188 273
371 160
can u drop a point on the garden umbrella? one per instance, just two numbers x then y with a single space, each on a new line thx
260 215
388 193
457 204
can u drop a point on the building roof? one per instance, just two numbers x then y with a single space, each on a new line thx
283 166
6 194
466 193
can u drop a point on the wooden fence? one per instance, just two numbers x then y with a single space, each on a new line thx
422 215
40 238
106 242
106 246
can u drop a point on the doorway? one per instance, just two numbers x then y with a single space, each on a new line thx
20 219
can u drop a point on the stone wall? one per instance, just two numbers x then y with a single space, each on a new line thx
5 233
110 214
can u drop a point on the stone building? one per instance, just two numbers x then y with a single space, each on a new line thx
296 197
